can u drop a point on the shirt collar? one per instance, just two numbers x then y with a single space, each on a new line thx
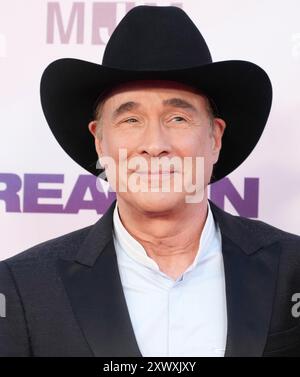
137 252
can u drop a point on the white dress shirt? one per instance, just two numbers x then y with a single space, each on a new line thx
186 317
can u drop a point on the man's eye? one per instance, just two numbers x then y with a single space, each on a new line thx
179 118
131 120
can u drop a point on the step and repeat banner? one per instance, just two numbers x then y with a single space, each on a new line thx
44 194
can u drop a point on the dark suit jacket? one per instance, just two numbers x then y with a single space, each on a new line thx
65 298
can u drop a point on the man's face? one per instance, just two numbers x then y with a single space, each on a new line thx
155 121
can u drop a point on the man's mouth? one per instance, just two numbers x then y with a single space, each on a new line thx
160 172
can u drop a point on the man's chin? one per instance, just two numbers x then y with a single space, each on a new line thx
157 201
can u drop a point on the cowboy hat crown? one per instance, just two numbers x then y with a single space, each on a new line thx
151 38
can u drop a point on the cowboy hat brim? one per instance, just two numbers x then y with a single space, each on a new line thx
241 90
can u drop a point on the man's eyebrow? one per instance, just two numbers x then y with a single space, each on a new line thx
173 102
179 102
126 106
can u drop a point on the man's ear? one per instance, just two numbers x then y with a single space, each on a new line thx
218 129
93 130
92 126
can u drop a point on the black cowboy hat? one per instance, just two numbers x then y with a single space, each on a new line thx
157 42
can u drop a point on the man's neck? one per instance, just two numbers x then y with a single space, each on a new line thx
171 239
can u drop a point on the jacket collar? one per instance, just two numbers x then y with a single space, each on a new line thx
98 237
95 290
244 234
241 234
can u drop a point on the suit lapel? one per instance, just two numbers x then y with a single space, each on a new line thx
250 287
251 265
96 295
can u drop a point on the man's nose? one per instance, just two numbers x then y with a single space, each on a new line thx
155 140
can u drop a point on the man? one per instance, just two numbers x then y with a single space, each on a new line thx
162 273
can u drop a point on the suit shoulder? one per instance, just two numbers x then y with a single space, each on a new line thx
267 234
268 229
65 246
253 234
